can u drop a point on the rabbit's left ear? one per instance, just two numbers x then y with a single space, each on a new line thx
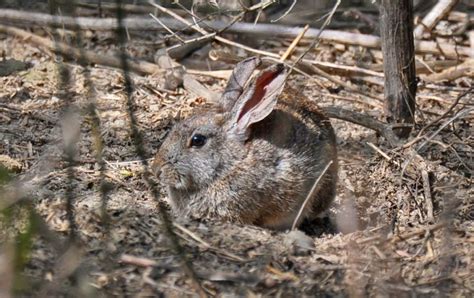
237 81
257 101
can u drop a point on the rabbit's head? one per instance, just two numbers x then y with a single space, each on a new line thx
204 145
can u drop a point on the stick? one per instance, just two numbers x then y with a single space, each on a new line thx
10 16
293 44
427 190
450 74
137 261
332 68
363 120
438 12
166 28
379 151
417 232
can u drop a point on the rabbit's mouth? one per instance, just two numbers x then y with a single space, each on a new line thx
171 177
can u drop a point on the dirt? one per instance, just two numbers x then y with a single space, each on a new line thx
389 231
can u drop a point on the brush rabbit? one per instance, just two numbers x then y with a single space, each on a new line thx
254 157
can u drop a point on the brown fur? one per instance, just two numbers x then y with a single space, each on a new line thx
262 180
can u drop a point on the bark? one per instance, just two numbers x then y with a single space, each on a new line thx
396 30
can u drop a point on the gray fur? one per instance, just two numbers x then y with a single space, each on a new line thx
262 179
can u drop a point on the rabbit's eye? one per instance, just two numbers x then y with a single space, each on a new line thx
198 140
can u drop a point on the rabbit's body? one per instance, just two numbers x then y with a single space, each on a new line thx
260 175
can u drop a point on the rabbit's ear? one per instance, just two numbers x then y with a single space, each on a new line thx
237 81
258 101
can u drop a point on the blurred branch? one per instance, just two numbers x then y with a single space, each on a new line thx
450 74
9 16
137 139
438 12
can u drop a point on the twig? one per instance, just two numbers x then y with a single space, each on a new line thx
343 70
293 44
379 151
204 32
260 52
377 251
453 105
166 28
329 67
422 67
460 114
285 13
316 40
427 190
456 116
310 195
418 232
337 81
355 99
137 261
207 245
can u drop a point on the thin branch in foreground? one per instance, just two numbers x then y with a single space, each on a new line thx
140 150
317 38
96 130
310 195
70 129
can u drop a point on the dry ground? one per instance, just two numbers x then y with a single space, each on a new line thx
378 238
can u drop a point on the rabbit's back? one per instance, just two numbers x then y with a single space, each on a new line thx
303 142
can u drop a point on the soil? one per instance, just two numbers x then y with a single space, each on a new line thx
401 224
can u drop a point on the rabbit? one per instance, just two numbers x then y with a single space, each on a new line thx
253 157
